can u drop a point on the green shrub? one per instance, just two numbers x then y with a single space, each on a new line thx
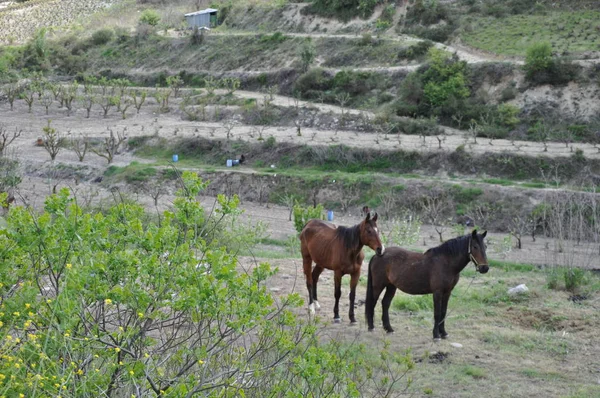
303 214
150 17
508 115
102 36
538 58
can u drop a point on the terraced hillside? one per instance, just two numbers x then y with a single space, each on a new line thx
420 110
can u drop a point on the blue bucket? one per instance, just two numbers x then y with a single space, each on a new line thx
329 215
175 158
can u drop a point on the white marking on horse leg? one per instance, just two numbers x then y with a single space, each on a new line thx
317 305
311 308
337 320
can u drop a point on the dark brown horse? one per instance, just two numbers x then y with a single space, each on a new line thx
435 271
340 250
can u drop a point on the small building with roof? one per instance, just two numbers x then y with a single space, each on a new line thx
202 19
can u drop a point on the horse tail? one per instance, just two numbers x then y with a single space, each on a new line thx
370 300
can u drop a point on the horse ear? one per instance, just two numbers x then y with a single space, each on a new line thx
368 216
375 217
483 234
474 234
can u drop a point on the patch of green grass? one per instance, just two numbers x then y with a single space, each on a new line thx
135 172
567 31
406 302
498 181
533 185
512 267
474 372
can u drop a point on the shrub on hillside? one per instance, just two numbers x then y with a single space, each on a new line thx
542 68
150 17
342 9
102 36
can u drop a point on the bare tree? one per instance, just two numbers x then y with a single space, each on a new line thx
519 226
111 145
138 102
46 100
350 196
87 101
228 126
107 102
80 146
7 138
435 207
125 104
12 92
28 96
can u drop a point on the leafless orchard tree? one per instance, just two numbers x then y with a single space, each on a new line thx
46 100
111 145
6 138
435 207
80 146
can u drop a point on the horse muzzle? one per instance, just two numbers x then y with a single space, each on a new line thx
380 250
483 269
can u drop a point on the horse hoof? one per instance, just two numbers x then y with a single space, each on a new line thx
436 339
389 331
353 323
337 320
311 308
371 329
445 336
317 305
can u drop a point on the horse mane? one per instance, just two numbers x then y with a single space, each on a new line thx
454 246
349 235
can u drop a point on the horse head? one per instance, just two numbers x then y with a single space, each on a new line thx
369 234
477 252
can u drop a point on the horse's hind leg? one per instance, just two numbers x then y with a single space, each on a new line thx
315 280
390 291
353 282
307 268
338 293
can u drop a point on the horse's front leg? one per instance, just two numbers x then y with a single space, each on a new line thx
353 282
437 314
337 293
445 299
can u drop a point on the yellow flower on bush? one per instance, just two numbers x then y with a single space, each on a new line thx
108 301
16 313
27 305
27 324
117 349
69 266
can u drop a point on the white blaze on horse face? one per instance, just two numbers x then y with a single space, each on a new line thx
311 308
382 249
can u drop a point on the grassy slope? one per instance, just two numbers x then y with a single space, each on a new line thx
568 32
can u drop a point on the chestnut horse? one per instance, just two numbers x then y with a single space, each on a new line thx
340 250
435 271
